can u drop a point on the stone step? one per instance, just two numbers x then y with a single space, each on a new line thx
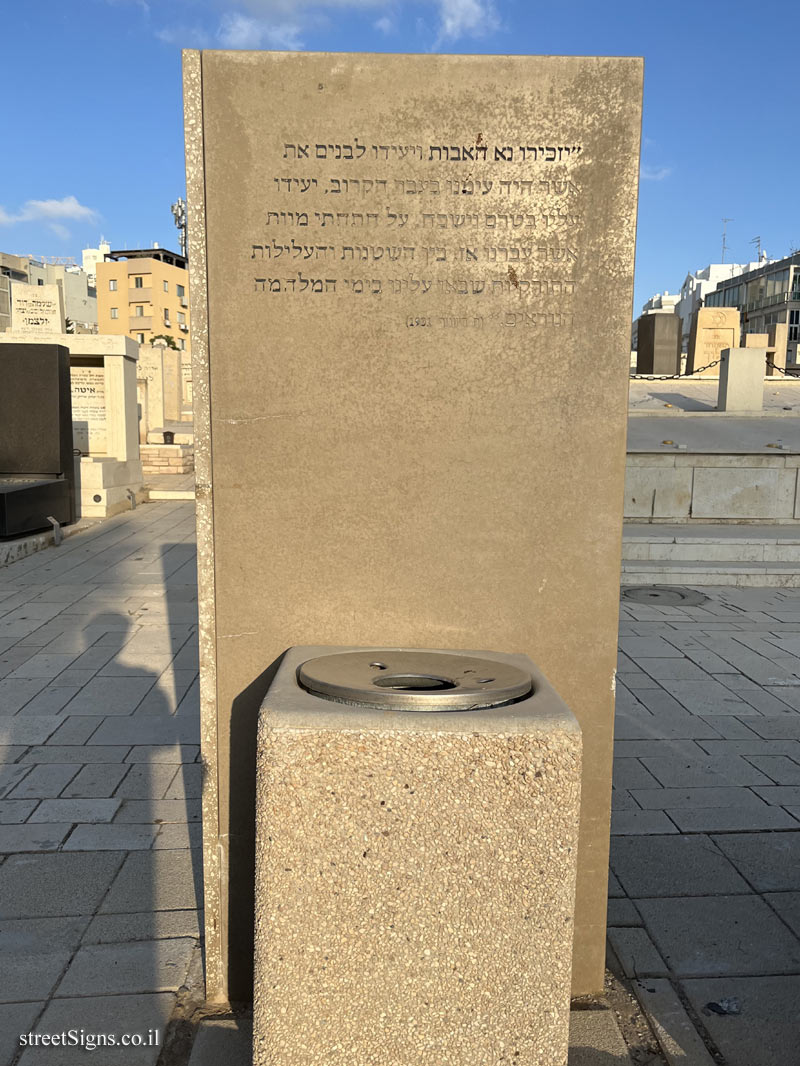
703 572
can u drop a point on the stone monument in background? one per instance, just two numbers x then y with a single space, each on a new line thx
713 330
37 309
659 344
411 279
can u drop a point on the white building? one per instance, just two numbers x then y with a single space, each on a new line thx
93 256
697 286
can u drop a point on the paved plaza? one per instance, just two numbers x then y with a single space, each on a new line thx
100 879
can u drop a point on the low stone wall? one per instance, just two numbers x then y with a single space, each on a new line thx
167 458
693 487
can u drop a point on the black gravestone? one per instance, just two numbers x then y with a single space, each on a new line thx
37 474
658 349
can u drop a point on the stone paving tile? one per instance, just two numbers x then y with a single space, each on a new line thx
42 837
673 866
674 1030
733 819
40 936
672 669
116 969
622 800
10 776
727 727
753 746
76 810
105 837
630 773
28 977
705 936
708 698
764 1032
109 696
112 1015
45 782
637 953
16 1019
44 664
615 889
622 912
150 925
55 884
187 782
756 696
15 692
95 781
82 753
638 823
14 812
11 752
175 810
156 880
51 700
179 836
163 753
782 770
769 861
146 780
30 730
648 647
677 772
674 799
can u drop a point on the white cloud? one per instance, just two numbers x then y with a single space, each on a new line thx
253 24
654 173
466 18
50 211
244 31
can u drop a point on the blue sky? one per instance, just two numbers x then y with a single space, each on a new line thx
92 123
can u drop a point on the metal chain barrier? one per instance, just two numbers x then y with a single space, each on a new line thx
672 377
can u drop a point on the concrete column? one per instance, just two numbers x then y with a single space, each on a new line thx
741 379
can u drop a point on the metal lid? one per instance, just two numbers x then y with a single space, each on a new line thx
399 680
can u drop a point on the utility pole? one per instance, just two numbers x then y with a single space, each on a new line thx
725 222
757 242
178 210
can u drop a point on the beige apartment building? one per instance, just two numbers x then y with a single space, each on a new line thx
144 293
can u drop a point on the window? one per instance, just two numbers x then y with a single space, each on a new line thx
181 292
166 286
115 312
794 318
140 338
112 284
138 282
139 312
183 345
40 282
181 318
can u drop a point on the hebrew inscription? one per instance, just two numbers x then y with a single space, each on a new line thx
408 223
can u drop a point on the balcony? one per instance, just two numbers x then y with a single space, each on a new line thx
140 296
140 322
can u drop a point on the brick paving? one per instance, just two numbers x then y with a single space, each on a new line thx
99 802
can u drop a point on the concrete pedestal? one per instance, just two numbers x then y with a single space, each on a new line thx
741 379
415 879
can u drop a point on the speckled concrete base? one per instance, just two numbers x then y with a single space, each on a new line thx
415 881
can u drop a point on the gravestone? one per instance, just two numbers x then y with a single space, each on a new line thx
741 379
659 344
36 463
713 330
102 372
37 309
411 278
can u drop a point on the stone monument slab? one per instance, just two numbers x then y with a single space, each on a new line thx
411 280
659 344
713 330
37 309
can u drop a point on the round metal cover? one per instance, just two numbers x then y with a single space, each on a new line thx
398 680
664 595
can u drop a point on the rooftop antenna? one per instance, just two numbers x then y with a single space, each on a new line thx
178 210
725 222
757 242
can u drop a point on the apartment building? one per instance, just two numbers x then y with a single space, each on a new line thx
144 293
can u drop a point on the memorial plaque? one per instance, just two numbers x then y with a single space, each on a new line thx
37 309
88 386
411 303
